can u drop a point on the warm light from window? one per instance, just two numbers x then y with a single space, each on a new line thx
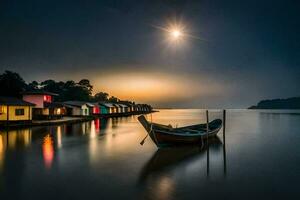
47 98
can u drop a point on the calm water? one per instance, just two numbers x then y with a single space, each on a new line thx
103 160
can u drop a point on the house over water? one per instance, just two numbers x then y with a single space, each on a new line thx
107 108
44 106
124 108
78 108
15 110
118 108
96 110
130 106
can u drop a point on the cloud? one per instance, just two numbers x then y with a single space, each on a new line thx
157 87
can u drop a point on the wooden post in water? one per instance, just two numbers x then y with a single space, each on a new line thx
224 142
224 159
207 130
224 125
207 123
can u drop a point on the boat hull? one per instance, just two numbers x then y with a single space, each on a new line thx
163 135
162 139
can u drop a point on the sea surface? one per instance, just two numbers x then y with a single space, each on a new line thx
103 159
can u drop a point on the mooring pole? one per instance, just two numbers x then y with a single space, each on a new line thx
224 125
207 163
207 122
224 159
207 131
224 142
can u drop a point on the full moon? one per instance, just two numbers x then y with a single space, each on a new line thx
176 34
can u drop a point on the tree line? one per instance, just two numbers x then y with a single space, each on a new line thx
289 103
12 85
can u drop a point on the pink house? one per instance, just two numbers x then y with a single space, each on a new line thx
45 107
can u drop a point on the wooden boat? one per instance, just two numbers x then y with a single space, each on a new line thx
163 135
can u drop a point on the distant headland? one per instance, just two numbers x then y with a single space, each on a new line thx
289 103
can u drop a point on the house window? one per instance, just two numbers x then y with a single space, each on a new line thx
47 98
1 110
19 111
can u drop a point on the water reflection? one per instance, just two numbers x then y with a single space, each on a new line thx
103 126
158 177
164 187
52 139
97 125
48 150
59 136
95 130
169 158
18 138
87 161
2 150
13 140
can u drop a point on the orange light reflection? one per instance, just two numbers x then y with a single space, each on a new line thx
48 151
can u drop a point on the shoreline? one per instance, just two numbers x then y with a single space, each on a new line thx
70 120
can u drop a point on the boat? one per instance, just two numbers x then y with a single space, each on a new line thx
166 135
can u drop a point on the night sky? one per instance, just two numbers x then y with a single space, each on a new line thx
244 51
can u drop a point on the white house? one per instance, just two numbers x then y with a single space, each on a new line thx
77 108
124 108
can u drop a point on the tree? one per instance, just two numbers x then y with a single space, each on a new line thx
113 99
69 90
101 96
50 86
34 85
54 87
11 84
69 84
85 84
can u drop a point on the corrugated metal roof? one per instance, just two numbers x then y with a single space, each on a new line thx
117 105
90 105
123 105
109 105
75 103
94 104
